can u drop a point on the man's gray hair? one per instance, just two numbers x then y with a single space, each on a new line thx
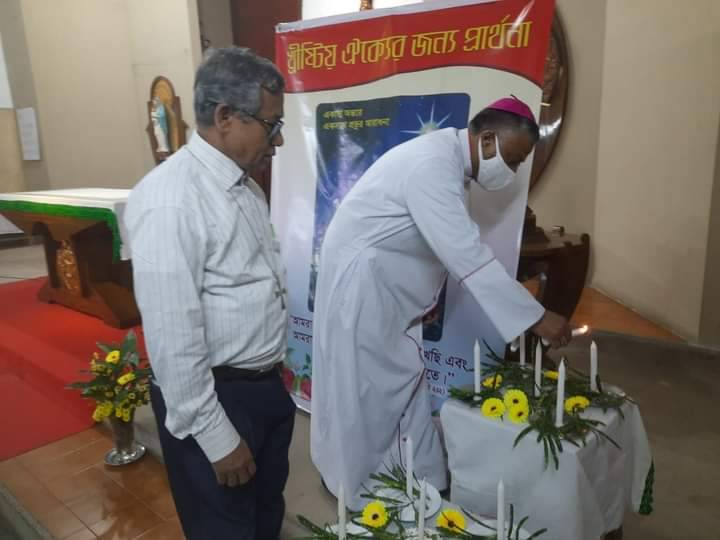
234 76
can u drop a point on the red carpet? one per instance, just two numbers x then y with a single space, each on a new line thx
42 348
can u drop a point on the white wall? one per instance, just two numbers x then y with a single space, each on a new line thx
22 86
11 174
6 101
92 63
658 140
164 39
565 194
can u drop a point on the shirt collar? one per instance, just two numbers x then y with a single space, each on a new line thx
224 169
464 139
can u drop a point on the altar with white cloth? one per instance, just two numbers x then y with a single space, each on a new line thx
585 498
85 248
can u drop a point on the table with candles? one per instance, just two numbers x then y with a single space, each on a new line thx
593 485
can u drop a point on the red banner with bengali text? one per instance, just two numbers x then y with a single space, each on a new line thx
511 35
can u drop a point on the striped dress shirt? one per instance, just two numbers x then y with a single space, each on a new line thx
209 283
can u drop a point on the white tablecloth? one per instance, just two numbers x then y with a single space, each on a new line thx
111 199
583 500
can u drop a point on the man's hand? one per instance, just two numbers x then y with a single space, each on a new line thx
236 468
554 328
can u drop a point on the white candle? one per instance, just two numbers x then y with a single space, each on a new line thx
478 367
560 404
409 468
522 349
538 368
341 514
421 511
500 510
593 367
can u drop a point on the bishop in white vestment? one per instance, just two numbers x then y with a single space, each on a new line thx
384 259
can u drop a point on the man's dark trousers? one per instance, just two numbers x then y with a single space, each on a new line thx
263 414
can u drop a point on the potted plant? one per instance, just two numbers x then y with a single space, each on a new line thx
119 384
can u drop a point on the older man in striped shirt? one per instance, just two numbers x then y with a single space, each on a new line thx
210 286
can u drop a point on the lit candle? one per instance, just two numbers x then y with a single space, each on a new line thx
500 510
522 349
341 513
560 404
421 511
538 368
576 332
409 469
478 368
593 367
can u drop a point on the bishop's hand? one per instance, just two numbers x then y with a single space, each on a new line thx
553 328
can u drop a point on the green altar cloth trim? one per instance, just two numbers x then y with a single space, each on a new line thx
646 503
81 212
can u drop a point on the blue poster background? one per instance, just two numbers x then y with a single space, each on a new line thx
351 136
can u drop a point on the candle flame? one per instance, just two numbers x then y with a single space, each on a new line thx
580 331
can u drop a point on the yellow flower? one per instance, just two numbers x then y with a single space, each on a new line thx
118 413
551 375
515 397
493 408
375 515
98 414
576 404
131 396
519 413
451 520
493 382
113 357
128 377
109 394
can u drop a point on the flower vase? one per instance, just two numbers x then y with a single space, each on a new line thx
126 450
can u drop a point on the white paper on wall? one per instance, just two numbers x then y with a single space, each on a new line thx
27 128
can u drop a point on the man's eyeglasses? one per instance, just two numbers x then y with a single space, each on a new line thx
274 127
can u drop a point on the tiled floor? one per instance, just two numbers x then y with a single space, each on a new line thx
601 312
604 313
67 487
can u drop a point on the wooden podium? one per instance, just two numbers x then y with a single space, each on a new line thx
82 272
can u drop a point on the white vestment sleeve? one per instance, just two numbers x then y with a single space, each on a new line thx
435 199
168 256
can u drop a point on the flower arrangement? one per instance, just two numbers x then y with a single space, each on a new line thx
508 392
120 381
380 518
